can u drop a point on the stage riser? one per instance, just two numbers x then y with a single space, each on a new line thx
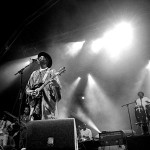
129 143
138 143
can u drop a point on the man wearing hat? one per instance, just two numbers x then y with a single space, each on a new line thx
43 100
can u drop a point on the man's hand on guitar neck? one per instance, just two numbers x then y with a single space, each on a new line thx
36 92
33 92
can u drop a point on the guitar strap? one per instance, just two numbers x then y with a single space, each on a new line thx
46 74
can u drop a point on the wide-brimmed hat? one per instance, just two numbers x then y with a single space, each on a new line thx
46 55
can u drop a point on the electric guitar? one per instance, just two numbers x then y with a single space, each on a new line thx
36 93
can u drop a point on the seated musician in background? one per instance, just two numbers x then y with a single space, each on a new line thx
141 104
44 97
85 133
25 118
26 115
6 128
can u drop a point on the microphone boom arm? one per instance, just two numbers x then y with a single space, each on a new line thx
21 70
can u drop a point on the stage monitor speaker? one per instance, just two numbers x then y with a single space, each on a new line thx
109 138
57 134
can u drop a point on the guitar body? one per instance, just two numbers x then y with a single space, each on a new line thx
33 100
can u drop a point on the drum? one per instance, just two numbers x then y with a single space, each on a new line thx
140 115
148 111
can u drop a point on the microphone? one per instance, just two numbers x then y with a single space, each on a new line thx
33 60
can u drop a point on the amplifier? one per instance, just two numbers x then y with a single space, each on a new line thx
109 138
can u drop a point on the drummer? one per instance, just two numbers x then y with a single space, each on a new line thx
143 101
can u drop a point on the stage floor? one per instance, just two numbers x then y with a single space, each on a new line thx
135 142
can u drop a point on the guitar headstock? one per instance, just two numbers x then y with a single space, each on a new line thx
61 70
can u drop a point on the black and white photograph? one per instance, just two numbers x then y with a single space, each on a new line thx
74 74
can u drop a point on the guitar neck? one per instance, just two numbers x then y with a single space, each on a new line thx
47 82
56 74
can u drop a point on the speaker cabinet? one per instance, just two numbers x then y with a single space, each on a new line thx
109 138
59 134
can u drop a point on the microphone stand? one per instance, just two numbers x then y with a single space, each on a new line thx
20 72
127 105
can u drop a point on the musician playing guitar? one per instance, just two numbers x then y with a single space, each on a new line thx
43 88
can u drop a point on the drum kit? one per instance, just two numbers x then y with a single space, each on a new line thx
143 117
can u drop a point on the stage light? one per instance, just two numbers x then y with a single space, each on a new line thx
118 39
78 79
82 97
115 40
101 107
77 45
97 45
28 62
9 71
148 65
84 118
90 80
73 48
66 104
